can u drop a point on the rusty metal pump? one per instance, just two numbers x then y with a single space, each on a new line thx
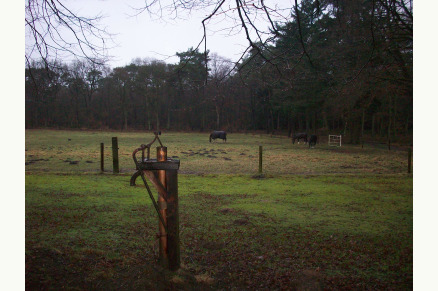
162 172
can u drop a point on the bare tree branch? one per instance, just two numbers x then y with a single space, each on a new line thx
53 31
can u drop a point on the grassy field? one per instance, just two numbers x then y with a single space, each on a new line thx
52 151
327 218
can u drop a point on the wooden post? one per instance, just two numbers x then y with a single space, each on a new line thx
172 220
101 157
162 157
115 156
409 160
163 173
260 158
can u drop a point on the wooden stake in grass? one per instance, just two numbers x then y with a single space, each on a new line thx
115 156
101 157
260 158
165 180
162 157
409 160
172 220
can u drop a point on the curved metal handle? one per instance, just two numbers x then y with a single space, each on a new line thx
141 148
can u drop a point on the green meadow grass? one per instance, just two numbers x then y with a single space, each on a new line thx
350 228
52 151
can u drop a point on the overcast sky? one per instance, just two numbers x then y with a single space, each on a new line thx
143 36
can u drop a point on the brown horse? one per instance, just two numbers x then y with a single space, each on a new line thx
313 140
298 136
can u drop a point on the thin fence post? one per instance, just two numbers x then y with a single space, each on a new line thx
115 155
101 157
409 160
260 158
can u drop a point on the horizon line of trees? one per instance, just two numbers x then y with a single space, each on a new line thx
336 67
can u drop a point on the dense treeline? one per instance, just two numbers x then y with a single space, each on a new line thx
338 66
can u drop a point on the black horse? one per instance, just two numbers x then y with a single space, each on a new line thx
313 140
218 134
298 136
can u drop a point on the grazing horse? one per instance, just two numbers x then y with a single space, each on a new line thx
218 134
313 139
298 136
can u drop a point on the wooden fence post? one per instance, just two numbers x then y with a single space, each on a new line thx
115 156
172 220
101 157
161 175
260 158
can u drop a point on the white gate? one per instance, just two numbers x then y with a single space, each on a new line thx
335 140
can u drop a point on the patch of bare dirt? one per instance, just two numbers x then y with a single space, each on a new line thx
49 269
242 221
